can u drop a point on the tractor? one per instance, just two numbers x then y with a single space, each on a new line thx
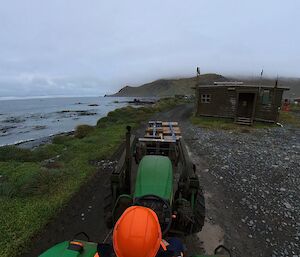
164 179
83 248
155 171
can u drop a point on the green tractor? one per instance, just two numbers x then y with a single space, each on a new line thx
164 179
80 248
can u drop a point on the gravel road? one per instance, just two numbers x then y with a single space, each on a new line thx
252 186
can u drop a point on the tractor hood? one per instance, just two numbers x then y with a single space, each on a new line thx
154 177
61 250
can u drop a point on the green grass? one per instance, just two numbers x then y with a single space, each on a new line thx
295 107
289 118
285 118
83 130
226 124
36 184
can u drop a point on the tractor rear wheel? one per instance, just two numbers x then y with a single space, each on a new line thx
199 212
107 206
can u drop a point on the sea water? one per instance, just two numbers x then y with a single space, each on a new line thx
24 120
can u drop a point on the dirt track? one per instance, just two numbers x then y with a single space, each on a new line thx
234 178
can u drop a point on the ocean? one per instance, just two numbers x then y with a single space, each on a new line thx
23 120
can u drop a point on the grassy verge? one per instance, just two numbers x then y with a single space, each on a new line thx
289 118
36 184
226 124
295 107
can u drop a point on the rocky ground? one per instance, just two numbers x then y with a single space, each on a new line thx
252 187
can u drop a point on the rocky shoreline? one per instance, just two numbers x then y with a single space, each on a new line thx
21 125
36 128
33 143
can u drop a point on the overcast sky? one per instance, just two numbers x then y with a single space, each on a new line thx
86 47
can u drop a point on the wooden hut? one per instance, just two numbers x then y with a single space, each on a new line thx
242 103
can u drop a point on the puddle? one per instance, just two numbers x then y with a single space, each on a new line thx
188 150
211 236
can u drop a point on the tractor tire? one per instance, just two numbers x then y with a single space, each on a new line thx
199 212
107 207
109 220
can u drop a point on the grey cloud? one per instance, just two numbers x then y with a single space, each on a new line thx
91 47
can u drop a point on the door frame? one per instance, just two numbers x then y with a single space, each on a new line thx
246 91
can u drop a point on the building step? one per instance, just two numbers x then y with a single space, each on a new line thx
243 118
243 121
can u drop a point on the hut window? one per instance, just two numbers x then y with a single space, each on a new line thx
265 98
205 98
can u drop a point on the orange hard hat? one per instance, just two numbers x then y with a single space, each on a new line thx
137 233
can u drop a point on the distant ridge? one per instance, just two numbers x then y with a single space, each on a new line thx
183 86
169 87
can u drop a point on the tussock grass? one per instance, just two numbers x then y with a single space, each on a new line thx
36 184
83 130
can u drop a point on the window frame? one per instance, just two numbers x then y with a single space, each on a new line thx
205 98
266 97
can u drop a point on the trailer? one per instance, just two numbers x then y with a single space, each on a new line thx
155 171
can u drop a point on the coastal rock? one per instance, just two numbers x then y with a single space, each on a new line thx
14 120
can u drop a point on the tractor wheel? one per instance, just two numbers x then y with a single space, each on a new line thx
107 206
199 212
109 220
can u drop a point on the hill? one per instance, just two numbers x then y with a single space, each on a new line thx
171 87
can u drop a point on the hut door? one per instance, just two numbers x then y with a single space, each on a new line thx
245 108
